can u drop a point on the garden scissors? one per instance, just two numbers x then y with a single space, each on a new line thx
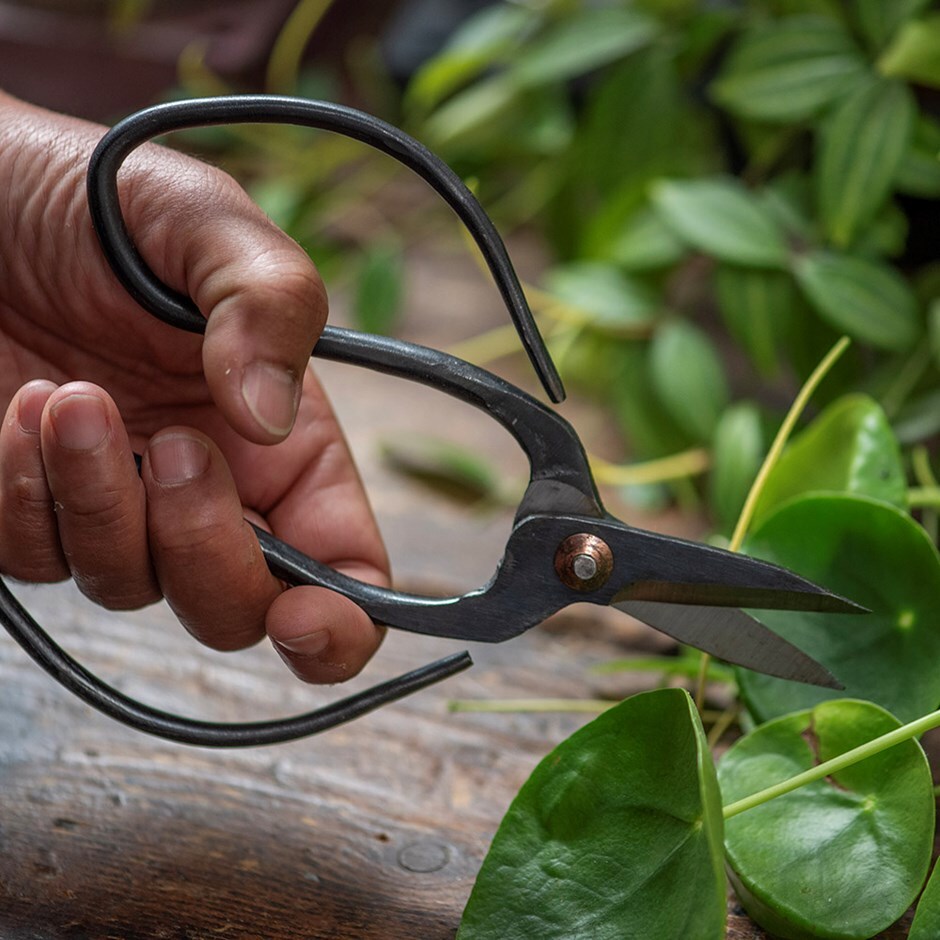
564 547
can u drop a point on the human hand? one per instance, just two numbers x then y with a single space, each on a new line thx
231 426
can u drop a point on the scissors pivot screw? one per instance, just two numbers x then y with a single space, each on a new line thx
584 562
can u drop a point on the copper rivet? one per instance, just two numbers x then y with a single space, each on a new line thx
584 562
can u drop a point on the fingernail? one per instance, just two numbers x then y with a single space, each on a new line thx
177 458
31 404
311 644
271 394
80 422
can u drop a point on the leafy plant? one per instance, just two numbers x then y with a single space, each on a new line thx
763 165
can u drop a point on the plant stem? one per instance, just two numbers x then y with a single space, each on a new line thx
828 768
684 464
591 705
773 455
923 496
783 435
287 53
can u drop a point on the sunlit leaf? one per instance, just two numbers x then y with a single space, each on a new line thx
688 377
861 147
601 296
616 834
879 557
582 43
849 448
723 219
843 857
870 301
788 70
915 52
879 20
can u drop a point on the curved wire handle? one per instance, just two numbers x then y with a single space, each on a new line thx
179 311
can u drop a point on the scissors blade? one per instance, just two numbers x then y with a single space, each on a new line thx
731 635
668 570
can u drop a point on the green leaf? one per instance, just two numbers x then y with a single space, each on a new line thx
879 557
379 288
723 219
879 20
915 52
849 448
602 297
688 377
870 301
643 243
737 452
616 834
860 149
841 858
443 466
926 925
757 306
788 70
919 169
484 39
919 418
578 44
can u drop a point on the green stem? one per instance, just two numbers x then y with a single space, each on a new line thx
288 51
828 768
676 466
919 497
773 455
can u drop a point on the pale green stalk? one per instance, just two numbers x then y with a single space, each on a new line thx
828 768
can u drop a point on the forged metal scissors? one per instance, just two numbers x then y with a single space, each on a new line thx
564 546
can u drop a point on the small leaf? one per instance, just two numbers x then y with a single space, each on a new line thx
644 243
788 70
443 466
723 219
737 452
379 289
582 43
915 52
926 925
616 834
849 448
757 307
869 301
919 170
880 20
843 857
602 297
861 147
482 40
877 556
688 377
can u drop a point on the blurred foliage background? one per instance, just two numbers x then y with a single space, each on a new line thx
721 190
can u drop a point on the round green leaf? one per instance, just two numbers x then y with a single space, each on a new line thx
849 448
860 151
926 925
737 452
788 70
869 301
616 834
879 557
688 377
841 858
722 218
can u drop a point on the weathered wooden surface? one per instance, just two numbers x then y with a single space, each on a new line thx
375 830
